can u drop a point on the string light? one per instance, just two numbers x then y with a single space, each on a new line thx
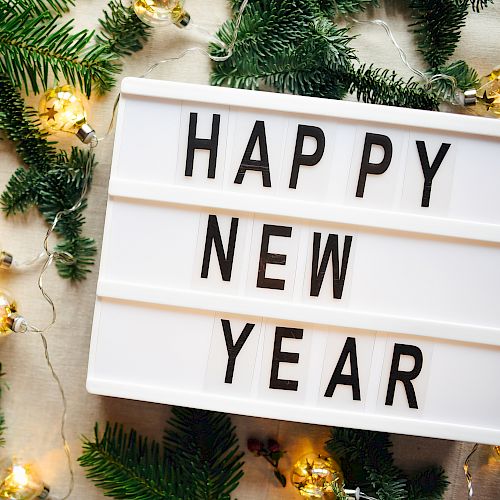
161 12
21 482
61 110
313 475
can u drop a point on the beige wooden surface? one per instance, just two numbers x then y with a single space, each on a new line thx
32 405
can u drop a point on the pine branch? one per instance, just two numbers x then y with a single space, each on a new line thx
438 26
204 446
36 7
31 46
284 45
346 7
371 450
52 181
478 5
122 30
384 87
367 462
125 466
429 484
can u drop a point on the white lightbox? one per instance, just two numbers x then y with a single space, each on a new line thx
302 259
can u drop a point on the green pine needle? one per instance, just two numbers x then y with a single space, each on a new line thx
122 30
429 484
52 180
32 46
379 86
367 462
126 466
200 460
478 5
291 47
438 27
204 446
347 7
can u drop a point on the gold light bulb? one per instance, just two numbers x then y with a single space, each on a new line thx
61 110
10 320
489 91
160 12
314 474
20 482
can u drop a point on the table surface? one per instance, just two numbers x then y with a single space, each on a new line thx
32 404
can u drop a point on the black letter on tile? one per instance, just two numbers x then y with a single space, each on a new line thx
352 379
405 377
300 158
214 236
197 143
234 349
430 170
271 258
284 357
331 248
262 165
373 168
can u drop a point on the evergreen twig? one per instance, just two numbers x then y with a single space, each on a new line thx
122 30
52 181
204 446
31 45
438 26
126 466
478 5
200 459
367 462
291 47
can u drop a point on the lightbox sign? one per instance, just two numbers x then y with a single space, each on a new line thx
302 259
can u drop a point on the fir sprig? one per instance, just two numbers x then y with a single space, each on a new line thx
32 46
367 462
291 47
122 31
478 5
200 459
126 466
378 86
204 446
438 27
346 7
51 180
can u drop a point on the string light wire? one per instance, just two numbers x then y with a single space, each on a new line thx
229 52
468 475
428 81
49 255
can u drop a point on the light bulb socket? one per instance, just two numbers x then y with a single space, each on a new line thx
17 323
470 97
183 20
44 495
6 260
86 133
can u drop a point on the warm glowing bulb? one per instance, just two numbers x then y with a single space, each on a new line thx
160 12
10 320
314 474
489 91
61 110
20 482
